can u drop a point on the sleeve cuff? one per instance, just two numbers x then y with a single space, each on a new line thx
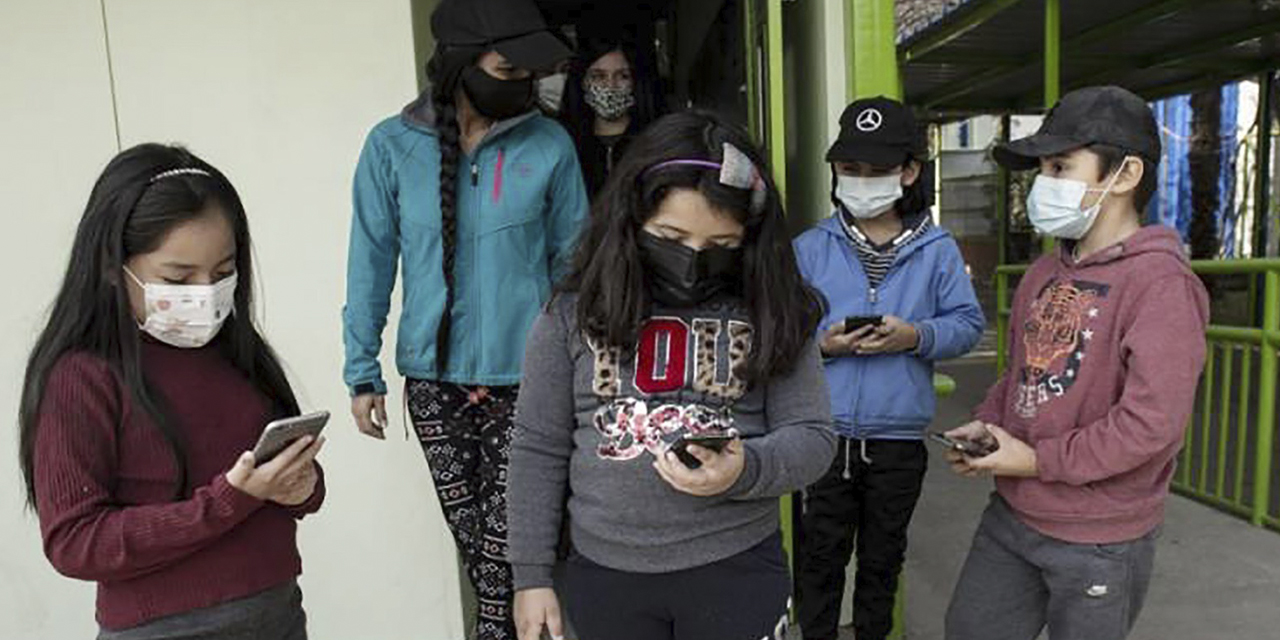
231 501
312 504
1048 467
531 576
378 387
924 345
750 473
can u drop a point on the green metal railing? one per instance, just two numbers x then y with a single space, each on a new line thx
1227 458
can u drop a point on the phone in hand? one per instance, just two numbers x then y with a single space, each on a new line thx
967 447
853 323
281 433
713 441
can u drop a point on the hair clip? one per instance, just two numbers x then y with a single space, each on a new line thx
193 171
736 170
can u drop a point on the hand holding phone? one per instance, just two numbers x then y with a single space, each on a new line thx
281 433
713 441
853 323
968 447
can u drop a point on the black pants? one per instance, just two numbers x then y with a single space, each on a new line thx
744 597
870 502
465 432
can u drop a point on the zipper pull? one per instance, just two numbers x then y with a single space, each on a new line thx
475 174
872 296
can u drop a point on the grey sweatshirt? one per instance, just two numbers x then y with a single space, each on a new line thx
588 425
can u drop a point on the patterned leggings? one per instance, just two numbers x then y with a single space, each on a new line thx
465 432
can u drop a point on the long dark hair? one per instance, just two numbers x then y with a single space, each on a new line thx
127 215
444 72
578 117
608 276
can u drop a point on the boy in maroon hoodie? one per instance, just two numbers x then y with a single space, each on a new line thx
1106 348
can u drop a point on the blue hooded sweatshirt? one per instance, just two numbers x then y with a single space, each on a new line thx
891 396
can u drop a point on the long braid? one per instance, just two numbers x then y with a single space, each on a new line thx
450 150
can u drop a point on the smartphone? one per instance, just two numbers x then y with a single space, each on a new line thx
713 441
281 433
966 447
853 323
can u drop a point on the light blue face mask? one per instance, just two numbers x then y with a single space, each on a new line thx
1054 205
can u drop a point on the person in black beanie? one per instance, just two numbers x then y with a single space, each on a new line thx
476 199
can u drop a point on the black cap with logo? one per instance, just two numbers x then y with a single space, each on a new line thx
1093 115
879 131
513 28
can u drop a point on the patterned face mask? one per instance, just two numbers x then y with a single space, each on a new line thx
609 102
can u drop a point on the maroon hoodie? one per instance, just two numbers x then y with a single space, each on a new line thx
1105 356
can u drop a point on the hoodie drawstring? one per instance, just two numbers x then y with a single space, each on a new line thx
865 458
847 475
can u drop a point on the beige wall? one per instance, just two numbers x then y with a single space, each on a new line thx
278 94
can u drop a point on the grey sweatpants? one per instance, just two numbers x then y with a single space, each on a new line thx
1016 580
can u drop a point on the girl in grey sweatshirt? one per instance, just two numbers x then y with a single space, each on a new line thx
685 317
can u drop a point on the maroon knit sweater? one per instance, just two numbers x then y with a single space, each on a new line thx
105 486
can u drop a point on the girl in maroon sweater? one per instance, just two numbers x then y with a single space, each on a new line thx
142 396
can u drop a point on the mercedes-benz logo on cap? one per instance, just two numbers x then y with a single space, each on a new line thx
869 120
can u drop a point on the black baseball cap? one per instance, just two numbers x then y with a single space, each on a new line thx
879 131
1093 115
514 28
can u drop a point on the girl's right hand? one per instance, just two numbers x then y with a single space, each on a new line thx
534 609
370 412
277 479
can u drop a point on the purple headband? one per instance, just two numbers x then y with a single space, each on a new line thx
736 171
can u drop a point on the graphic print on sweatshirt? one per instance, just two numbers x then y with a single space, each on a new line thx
676 359
1056 338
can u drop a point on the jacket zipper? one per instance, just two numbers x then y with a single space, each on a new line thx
475 174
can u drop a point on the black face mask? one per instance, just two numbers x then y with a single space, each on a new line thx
681 277
494 98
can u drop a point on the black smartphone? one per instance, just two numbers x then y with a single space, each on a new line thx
713 441
966 447
853 323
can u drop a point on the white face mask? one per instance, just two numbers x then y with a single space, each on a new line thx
551 91
868 197
186 315
1054 205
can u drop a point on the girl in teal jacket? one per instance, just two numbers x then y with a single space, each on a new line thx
476 199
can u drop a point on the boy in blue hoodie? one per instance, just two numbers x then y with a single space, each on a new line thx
898 299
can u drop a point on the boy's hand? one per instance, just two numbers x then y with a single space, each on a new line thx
891 336
836 342
977 432
1014 458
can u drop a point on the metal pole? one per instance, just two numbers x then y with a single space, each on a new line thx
873 66
1262 197
1003 208
1266 400
1052 70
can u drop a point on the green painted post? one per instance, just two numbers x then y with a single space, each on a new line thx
1002 197
1002 320
1052 70
1224 420
1266 399
871 52
777 96
1246 378
1206 417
